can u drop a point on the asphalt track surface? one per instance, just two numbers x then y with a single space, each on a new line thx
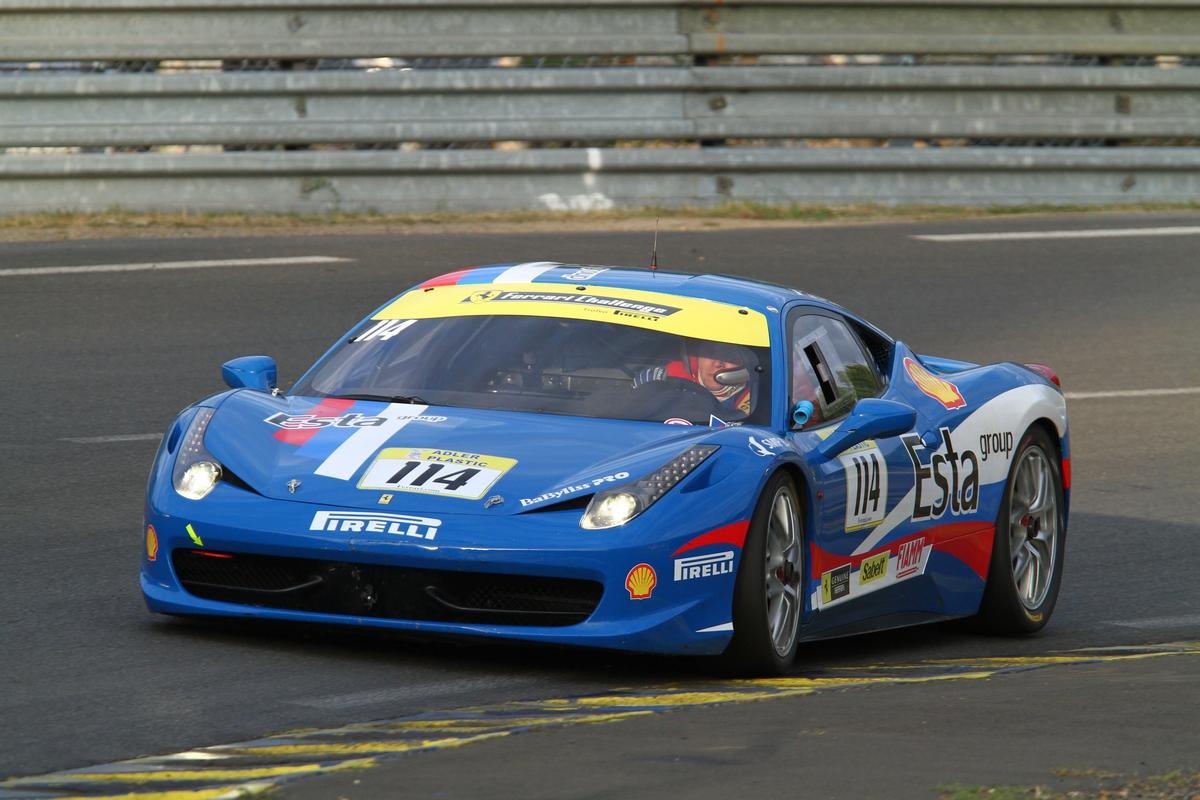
87 675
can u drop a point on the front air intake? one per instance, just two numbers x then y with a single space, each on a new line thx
374 590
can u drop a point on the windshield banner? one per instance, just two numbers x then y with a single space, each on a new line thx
683 316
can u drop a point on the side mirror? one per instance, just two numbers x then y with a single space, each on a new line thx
871 418
251 372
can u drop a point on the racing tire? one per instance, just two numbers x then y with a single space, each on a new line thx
1028 546
768 595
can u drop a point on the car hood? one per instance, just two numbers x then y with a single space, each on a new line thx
322 451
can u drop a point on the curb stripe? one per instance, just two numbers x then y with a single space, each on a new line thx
252 767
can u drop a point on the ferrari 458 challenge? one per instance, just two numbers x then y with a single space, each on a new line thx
621 458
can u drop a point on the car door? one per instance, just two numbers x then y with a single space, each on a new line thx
854 571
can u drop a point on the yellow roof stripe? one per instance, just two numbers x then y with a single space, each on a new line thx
684 316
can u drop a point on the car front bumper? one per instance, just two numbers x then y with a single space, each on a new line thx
678 615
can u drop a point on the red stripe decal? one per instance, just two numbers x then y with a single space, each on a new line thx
734 534
1066 470
329 407
823 561
449 279
974 550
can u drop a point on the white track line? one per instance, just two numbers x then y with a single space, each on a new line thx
1130 393
1159 622
1094 234
228 262
125 437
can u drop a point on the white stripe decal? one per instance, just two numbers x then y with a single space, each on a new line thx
155 265
1130 393
526 273
728 626
901 513
350 455
1107 233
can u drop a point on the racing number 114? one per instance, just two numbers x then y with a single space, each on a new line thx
866 487
432 471
453 481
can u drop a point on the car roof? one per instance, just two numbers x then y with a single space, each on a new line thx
758 295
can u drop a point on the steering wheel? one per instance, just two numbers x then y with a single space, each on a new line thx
697 402
673 384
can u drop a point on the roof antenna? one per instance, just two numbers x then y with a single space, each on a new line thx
654 252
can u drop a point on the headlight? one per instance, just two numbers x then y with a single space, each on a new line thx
196 471
613 507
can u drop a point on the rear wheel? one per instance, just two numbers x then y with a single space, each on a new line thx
1027 551
768 598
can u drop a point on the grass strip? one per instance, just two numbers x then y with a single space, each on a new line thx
1177 785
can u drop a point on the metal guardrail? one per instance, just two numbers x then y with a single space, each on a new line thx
32 30
590 178
701 99
702 103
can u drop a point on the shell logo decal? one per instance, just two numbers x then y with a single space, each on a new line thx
151 543
641 582
939 389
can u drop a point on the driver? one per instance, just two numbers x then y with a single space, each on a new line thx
721 368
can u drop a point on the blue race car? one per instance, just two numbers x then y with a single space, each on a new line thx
630 459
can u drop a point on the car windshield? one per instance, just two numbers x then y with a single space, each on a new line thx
548 365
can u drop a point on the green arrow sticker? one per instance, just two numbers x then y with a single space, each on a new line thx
195 537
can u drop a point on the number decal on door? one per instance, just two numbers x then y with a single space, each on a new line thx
431 471
866 486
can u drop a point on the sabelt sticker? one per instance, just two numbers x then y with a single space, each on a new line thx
433 471
873 568
151 543
939 389
641 581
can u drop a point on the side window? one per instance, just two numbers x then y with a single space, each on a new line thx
829 367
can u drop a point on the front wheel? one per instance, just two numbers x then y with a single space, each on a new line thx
1027 551
768 597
